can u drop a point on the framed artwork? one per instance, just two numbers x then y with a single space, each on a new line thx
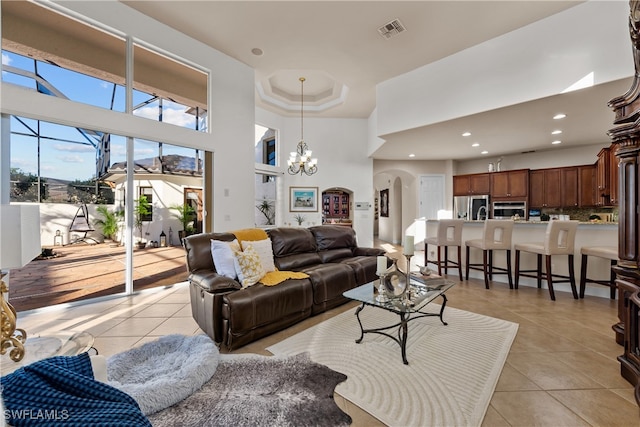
303 199
384 202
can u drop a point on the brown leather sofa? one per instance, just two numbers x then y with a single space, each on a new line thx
233 316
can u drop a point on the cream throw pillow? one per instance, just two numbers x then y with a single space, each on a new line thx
265 251
248 266
224 258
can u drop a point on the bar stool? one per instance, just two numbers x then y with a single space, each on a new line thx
496 235
449 233
607 252
559 240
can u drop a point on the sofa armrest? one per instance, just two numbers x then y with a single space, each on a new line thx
368 252
210 281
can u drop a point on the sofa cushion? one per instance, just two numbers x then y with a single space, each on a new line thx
364 268
335 254
291 240
248 266
329 281
259 310
333 237
198 248
293 248
223 257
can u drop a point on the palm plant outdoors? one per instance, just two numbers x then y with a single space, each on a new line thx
267 208
141 211
185 214
109 223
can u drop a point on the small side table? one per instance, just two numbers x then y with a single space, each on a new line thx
63 343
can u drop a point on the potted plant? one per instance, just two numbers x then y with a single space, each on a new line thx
300 219
108 224
140 212
185 214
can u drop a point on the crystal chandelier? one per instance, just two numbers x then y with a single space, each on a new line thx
300 161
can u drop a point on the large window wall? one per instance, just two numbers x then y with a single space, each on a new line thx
51 162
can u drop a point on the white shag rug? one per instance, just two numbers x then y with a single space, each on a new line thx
452 370
165 371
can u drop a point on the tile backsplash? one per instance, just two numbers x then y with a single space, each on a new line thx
609 214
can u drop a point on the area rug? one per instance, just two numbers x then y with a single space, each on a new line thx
452 370
252 390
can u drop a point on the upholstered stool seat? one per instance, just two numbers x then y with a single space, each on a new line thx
449 233
496 235
606 252
559 240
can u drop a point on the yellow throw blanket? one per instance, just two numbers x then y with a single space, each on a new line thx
250 234
273 278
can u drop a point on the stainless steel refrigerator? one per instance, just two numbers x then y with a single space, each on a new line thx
471 208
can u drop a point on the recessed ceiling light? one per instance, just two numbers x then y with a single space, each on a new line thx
559 116
466 134
257 51
556 132
475 144
556 142
484 152
412 155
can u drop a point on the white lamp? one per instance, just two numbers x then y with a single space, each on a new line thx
19 245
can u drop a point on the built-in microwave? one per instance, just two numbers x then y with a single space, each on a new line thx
508 210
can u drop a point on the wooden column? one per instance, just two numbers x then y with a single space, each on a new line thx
626 139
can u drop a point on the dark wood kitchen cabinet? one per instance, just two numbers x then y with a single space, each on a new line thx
477 183
603 166
545 188
613 176
568 187
587 186
510 185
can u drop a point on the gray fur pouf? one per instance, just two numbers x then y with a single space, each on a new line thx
163 372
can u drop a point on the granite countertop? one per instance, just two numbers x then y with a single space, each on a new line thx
595 223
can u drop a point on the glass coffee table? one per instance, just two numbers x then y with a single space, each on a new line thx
63 343
407 310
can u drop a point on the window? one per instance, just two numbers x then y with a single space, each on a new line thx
265 213
266 146
147 192
63 57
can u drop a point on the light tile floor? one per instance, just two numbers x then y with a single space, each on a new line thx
561 370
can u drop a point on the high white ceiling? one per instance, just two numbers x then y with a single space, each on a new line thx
336 46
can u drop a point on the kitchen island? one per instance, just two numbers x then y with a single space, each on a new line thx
588 234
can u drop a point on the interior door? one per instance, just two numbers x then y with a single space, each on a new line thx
431 196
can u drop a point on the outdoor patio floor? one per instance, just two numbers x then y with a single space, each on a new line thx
83 271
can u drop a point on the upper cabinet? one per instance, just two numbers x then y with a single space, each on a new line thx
545 188
587 185
560 187
477 183
614 169
607 177
510 185
603 166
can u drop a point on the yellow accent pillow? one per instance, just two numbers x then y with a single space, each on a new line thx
248 266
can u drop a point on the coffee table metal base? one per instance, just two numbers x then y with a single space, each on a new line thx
403 326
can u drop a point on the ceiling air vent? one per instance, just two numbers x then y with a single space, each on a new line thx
391 29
